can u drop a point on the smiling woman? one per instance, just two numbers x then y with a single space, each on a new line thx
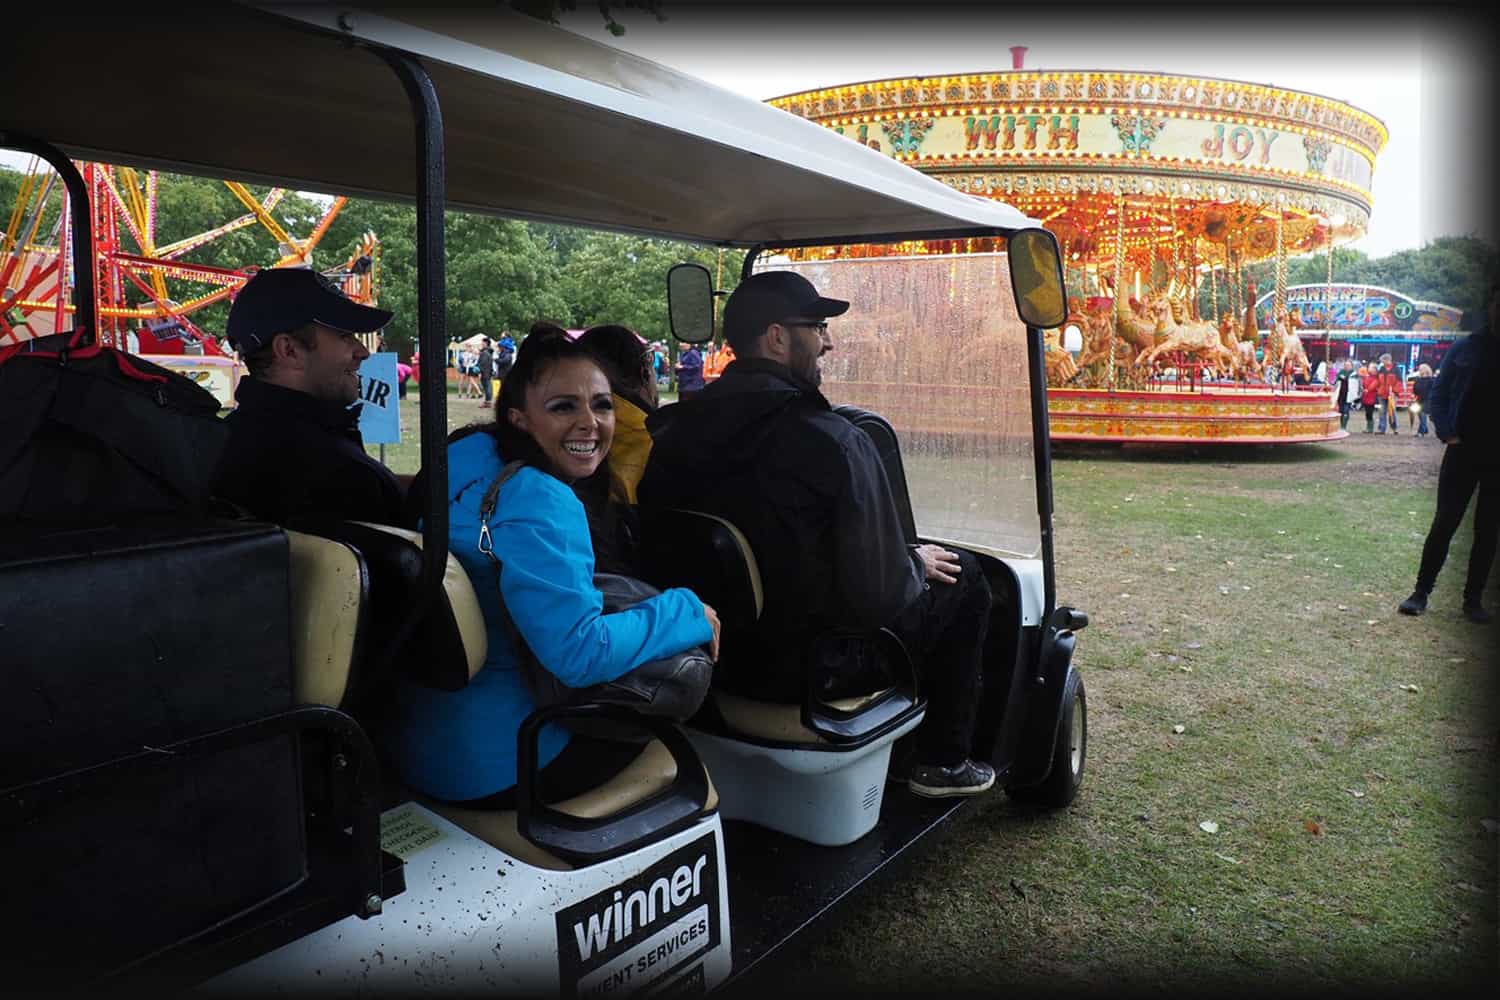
556 417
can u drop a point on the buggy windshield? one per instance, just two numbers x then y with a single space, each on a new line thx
933 343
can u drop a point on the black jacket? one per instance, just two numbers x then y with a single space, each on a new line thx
290 454
763 449
487 363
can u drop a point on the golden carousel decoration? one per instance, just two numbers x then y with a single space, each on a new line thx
1161 189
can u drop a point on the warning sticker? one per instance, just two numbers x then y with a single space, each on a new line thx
404 832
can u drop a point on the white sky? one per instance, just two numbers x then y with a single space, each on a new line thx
1426 75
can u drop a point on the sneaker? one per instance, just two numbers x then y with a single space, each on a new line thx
934 781
1476 614
1415 604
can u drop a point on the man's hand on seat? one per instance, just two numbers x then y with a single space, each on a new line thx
938 563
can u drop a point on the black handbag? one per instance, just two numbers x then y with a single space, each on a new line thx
672 687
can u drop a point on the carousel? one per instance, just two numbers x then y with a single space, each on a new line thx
1161 190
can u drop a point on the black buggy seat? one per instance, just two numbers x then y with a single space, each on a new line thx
814 770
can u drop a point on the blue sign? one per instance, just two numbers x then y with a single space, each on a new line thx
380 417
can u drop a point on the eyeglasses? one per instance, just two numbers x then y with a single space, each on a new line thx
820 326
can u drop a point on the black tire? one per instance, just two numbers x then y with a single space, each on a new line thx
1069 752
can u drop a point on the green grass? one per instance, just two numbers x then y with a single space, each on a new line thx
1251 601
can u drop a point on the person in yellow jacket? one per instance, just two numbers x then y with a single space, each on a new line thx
629 365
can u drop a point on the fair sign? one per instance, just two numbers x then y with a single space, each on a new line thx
380 417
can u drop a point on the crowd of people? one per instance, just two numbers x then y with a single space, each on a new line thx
584 418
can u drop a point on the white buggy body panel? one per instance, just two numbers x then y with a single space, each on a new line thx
473 918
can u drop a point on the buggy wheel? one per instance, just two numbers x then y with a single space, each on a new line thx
1069 752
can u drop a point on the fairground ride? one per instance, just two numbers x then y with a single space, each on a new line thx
1161 189
146 292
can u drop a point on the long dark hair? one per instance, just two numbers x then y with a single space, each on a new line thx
545 346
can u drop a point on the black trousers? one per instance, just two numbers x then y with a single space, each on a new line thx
944 630
1463 471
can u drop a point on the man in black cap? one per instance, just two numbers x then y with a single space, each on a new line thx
294 443
763 448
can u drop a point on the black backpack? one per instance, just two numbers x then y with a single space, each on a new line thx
91 430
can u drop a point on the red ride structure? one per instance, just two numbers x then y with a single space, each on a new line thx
146 292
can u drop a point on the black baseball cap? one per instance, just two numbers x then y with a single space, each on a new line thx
281 299
770 297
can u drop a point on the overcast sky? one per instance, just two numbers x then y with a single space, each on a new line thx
1425 74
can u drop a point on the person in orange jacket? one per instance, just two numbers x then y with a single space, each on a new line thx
1369 389
1388 384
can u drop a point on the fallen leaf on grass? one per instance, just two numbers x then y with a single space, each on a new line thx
1195 645
1313 827
1411 687
1228 562
1355 792
1343 607
1124 596
1280 531
1338 565
1372 621
1225 857
1179 730
1456 659
1224 591
1468 887
1209 826
1244 586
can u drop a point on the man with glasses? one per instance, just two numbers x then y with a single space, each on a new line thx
762 448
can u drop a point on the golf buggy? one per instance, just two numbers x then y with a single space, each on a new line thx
193 794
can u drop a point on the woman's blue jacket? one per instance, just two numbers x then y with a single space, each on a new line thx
458 745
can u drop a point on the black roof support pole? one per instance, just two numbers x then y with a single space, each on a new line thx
1041 446
81 223
432 315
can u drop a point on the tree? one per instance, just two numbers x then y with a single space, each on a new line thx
611 278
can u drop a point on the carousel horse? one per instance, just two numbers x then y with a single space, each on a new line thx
1284 347
1193 339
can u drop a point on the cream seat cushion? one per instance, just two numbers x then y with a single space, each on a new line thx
461 598
651 772
775 721
328 585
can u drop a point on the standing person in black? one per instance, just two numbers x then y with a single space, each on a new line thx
1344 402
294 444
1466 417
1421 391
763 448
487 372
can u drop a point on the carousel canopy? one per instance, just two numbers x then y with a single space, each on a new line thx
1158 170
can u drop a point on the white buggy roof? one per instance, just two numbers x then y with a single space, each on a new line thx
539 123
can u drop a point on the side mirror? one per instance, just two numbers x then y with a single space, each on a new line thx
690 303
1072 338
1036 276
